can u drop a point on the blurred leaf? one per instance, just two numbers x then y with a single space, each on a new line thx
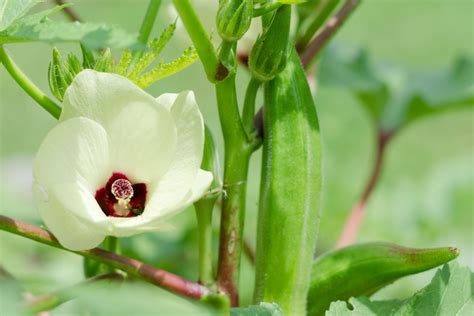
38 27
10 10
449 293
393 95
134 299
264 309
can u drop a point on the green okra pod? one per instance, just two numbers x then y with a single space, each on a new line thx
365 268
290 191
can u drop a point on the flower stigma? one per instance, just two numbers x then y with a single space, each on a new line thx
121 198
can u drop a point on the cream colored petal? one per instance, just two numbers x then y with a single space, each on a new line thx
76 150
71 232
177 182
142 142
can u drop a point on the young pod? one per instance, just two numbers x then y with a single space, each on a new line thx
234 18
290 191
270 52
365 268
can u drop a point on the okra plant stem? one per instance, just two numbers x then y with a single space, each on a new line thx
28 86
237 152
148 21
249 105
199 37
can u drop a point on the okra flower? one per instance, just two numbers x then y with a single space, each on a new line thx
120 162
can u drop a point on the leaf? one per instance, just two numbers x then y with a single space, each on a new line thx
163 70
394 95
156 46
38 27
264 309
10 10
133 299
451 292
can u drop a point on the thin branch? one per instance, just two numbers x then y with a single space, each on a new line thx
328 31
161 278
353 223
71 14
28 86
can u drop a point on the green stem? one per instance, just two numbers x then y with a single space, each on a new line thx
132 267
324 9
200 39
148 21
237 156
204 209
266 9
93 268
28 86
249 105
232 220
227 55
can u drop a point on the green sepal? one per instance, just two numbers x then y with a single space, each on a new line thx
270 52
234 18
105 62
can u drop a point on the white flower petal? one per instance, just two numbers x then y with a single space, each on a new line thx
71 232
176 183
79 201
73 151
142 142
141 131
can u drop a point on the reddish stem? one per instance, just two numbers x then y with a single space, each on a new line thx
328 31
161 278
68 11
353 223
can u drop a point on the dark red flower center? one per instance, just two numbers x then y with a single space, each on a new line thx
121 198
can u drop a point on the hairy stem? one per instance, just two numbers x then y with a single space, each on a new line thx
237 156
353 223
143 271
328 31
28 86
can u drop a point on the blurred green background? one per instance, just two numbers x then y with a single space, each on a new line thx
425 194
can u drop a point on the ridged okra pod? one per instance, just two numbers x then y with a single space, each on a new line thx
290 191
365 268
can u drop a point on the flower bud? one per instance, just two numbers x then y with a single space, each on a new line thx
234 18
270 52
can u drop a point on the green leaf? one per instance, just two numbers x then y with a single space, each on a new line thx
450 292
163 70
38 27
10 10
264 309
132 299
394 95
156 46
